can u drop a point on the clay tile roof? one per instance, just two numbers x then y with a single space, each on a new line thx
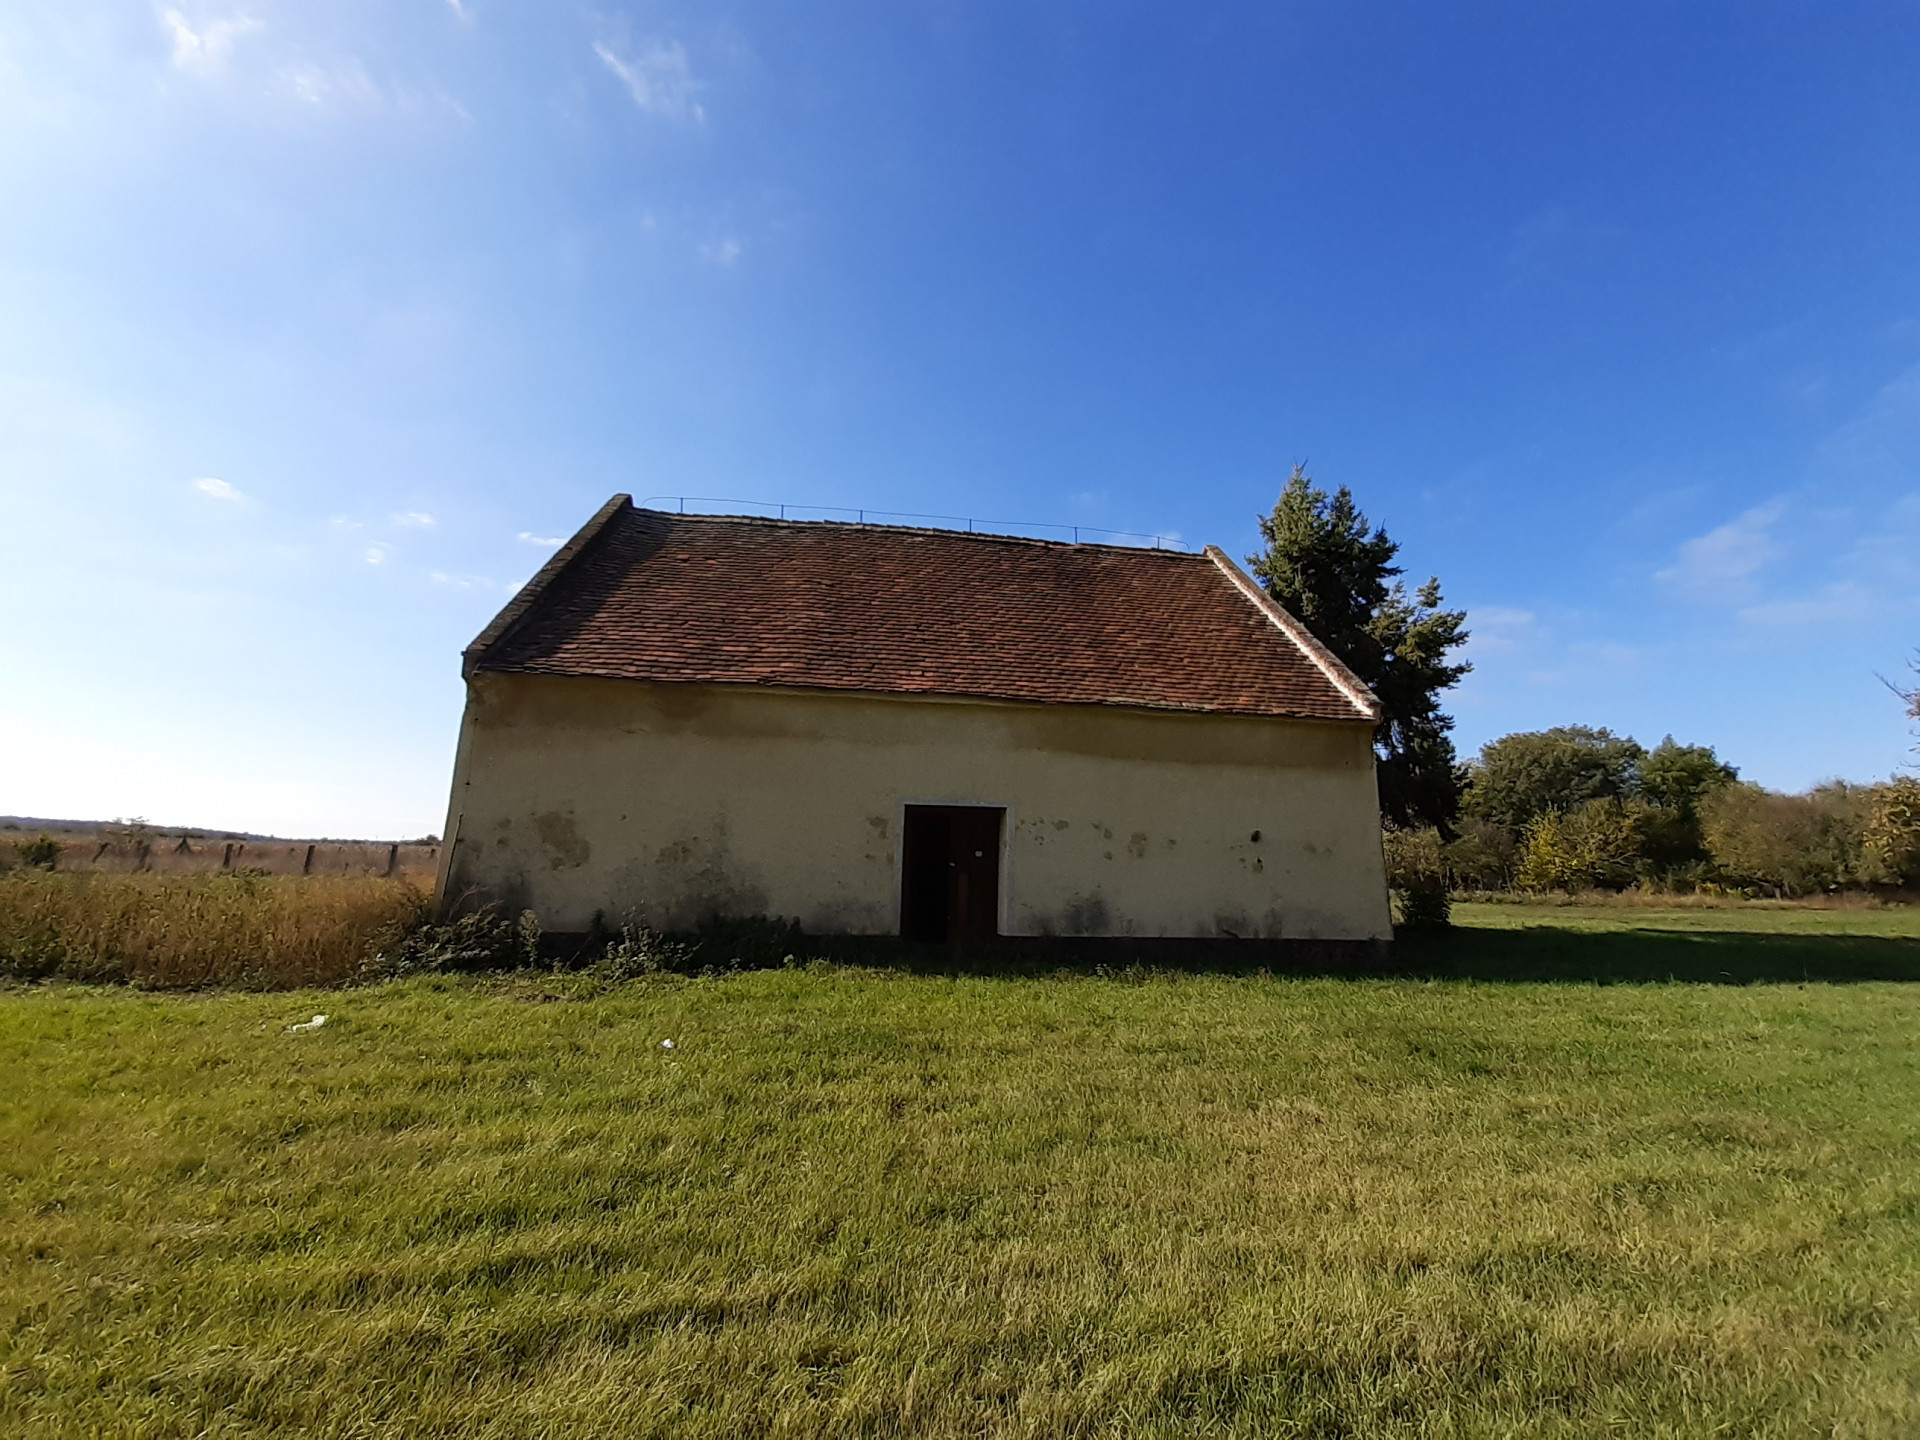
643 595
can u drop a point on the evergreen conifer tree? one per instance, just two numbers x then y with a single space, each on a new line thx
1336 574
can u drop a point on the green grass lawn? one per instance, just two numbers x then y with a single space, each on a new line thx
859 1202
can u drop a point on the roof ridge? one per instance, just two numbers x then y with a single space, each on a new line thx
1331 665
998 535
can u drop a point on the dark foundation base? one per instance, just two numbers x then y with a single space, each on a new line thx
1025 953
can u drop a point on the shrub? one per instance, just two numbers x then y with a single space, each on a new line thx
1595 847
1790 844
1482 856
1670 842
478 940
1417 878
40 853
638 951
483 939
1892 836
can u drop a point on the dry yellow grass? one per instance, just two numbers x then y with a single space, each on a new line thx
179 931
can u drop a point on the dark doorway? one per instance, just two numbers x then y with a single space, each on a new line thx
950 880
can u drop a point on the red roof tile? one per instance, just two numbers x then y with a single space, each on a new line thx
643 595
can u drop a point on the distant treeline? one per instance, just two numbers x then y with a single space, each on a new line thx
1577 808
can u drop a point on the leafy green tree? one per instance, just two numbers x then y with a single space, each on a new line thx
1335 572
1521 777
1674 779
1679 777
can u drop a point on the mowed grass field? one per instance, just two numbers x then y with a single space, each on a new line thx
863 1202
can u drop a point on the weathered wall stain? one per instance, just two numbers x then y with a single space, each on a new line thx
673 802
1086 915
564 844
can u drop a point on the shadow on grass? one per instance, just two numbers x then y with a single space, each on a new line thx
1701 957
1537 953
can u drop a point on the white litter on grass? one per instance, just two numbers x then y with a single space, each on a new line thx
313 1024
666 1045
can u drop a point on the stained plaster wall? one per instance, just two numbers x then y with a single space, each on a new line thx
668 803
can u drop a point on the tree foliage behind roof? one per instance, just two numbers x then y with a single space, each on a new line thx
1681 776
1520 777
1336 573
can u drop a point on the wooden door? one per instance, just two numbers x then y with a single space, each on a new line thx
950 873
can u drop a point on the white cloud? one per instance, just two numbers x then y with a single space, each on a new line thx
460 11
217 489
1843 602
413 520
527 537
658 79
721 252
375 555
205 49
1722 564
319 87
460 582
1500 628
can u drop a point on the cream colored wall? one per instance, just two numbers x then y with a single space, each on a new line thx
671 802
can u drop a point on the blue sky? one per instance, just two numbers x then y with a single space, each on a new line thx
319 322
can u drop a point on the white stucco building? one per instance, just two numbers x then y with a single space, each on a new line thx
879 730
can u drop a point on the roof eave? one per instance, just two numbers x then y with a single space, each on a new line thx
1130 704
524 600
1344 680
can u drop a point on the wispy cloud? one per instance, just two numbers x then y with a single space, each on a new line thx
1556 239
1586 661
323 86
1500 628
1822 556
1874 578
1723 564
527 537
375 555
460 11
216 489
1842 602
204 49
413 520
723 252
658 78
460 582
